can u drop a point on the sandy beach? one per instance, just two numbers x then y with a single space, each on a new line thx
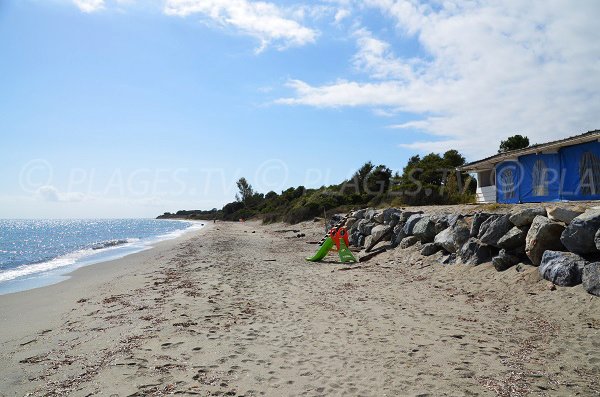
234 309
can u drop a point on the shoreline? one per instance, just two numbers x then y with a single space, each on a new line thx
236 310
89 257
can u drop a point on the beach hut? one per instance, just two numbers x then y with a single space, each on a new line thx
563 170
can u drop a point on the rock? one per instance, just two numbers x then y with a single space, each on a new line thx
353 238
408 241
360 214
430 249
365 227
565 215
591 278
453 237
579 236
473 252
424 229
513 239
378 217
597 239
410 223
441 223
526 216
397 234
543 235
334 220
404 215
368 243
390 213
485 224
369 214
350 222
449 259
495 230
504 260
361 241
379 232
562 268
478 219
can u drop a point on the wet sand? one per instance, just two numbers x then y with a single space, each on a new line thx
235 310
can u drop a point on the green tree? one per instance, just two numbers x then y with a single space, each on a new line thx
245 191
513 143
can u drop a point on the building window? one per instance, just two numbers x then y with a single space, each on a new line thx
539 181
507 184
589 174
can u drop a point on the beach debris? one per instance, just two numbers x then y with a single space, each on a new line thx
372 254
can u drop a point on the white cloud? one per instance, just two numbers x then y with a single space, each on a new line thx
490 69
262 20
341 14
89 6
52 194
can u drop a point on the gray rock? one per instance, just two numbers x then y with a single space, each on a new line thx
353 238
597 239
441 223
478 219
565 215
378 217
360 214
562 268
495 230
591 278
361 241
449 259
424 229
410 223
504 260
486 223
369 213
397 234
473 252
453 237
543 235
379 232
408 241
515 238
430 249
579 236
526 216
404 215
390 213
350 222
365 227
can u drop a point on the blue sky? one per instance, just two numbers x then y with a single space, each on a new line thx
131 108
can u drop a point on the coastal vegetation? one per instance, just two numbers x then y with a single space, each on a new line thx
428 180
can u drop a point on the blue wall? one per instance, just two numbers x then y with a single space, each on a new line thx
571 174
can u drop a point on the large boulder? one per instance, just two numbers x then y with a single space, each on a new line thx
513 239
565 215
350 222
543 235
495 230
378 217
369 214
504 260
424 229
579 236
453 237
410 223
354 237
562 268
597 239
525 217
591 278
478 219
379 231
486 223
389 214
360 214
430 249
473 252
408 241
404 215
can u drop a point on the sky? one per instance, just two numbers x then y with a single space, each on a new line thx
130 108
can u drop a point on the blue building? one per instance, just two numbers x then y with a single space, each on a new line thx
563 170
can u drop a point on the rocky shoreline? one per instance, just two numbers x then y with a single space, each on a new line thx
563 242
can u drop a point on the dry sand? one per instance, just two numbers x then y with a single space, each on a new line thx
235 310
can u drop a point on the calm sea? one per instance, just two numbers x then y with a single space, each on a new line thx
34 253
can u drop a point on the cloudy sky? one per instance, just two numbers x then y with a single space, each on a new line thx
115 108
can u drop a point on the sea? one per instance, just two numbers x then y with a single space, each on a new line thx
40 252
